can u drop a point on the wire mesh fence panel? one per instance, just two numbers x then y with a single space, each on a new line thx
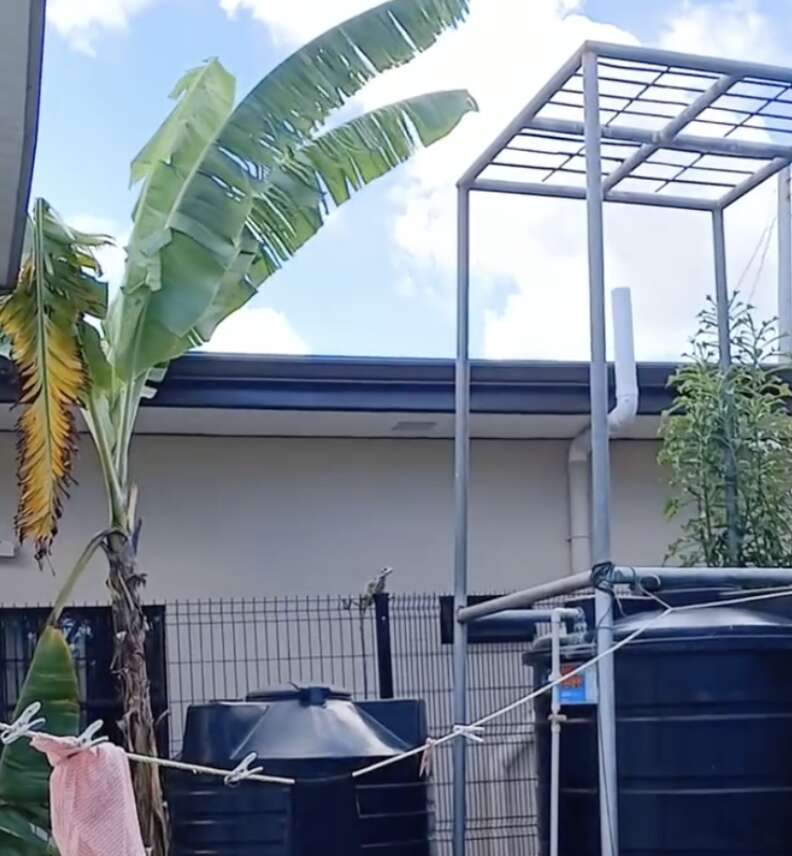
88 631
502 814
226 648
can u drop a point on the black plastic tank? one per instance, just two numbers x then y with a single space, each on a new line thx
704 735
298 732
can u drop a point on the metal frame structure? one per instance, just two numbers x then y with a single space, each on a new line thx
638 126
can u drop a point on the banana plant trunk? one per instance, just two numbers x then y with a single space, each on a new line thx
129 664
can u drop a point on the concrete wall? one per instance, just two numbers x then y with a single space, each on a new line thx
256 516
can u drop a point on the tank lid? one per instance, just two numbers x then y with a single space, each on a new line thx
309 694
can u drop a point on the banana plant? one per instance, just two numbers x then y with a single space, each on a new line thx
24 772
229 192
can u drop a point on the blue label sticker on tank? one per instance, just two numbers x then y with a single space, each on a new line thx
580 688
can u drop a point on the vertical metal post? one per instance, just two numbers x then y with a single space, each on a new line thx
784 223
600 458
721 289
555 732
461 485
384 649
724 355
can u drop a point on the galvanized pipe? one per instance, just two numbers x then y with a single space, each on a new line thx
716 65
685 142
461 491
725 359
656 579
784 261
527 597
561 191
600 456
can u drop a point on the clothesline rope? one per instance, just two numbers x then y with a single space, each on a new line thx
24 726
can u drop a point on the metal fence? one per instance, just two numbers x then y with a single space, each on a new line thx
389 645
224 649
501 777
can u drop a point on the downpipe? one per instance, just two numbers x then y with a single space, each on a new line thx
619 419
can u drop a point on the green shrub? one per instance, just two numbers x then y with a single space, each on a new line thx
730 425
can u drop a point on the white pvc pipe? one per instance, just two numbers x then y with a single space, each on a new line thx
555 732
621 417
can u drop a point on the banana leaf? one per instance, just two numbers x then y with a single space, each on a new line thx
205 219
24 772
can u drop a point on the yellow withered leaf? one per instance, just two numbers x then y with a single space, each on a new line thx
55 289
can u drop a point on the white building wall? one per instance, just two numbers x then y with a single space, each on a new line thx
227 517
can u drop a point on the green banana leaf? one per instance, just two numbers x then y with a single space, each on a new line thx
202 222
24 772
340 162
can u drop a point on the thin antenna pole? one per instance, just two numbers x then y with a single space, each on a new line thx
600 458
461 489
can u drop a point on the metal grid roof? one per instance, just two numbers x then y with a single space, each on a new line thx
675 129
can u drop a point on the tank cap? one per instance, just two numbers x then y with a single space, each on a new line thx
307 694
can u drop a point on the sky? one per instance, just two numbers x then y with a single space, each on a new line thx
379 279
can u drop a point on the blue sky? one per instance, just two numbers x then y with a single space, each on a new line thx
379 279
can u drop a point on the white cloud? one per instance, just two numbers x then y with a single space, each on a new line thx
82 22
537 247
257 330
297 21
731 28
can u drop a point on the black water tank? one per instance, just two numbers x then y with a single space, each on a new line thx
704 736
299 732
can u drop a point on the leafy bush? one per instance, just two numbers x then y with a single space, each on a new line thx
730 425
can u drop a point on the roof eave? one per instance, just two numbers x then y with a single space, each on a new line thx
375 385
22 44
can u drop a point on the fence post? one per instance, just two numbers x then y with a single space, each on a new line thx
384 653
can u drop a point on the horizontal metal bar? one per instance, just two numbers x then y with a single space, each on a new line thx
538 134
763 126
531 109
657 85
763 114
652 68
491 185
769 73
511 623
755 180
654 579
730 169
662 179
683 142
527 597
557 153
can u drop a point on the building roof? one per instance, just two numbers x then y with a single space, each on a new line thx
21 48
343 396
382 385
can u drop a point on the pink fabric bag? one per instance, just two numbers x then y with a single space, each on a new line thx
92 803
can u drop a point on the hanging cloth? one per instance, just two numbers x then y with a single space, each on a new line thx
325 817
92 804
